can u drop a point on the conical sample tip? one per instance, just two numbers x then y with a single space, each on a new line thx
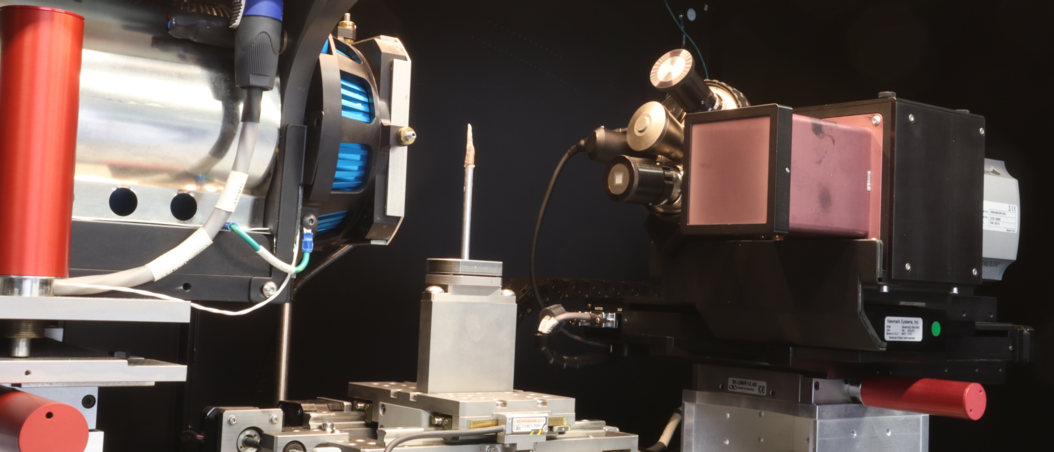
470 150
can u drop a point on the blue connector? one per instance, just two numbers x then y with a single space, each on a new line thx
308 245
227 226
266 8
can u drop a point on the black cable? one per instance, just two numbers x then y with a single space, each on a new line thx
579 147
303 278
583 340
569 362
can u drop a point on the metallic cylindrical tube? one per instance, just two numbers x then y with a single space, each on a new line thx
30 423
285 326
40 63
466 219
925 395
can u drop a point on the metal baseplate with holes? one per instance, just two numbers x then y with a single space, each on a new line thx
95 309
715 421
532 421
55 363
228 428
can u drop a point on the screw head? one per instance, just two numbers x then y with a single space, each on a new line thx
911 118
507 292
407 136
982 130
876 120
788 170
907 267
310 221
274 419
974 271
232 420
268 289
435 289
492 448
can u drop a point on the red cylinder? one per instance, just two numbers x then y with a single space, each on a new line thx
927 395
30 423
40 66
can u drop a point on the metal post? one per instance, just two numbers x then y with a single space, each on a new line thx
470 166
284 326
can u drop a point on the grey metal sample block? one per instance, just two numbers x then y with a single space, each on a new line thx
468 335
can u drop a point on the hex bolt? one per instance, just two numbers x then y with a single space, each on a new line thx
268 289
274 418
876 120
232 420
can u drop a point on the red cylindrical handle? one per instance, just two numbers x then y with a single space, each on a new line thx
40 66
926 395
30 423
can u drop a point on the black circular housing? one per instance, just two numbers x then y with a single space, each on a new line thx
637 181
674 73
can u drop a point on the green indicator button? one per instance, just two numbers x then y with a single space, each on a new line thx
936 329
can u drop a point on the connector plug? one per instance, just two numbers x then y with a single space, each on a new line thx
308 243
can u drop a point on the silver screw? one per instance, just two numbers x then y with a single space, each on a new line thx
268 289
982 130
911 118
407 136
435 289
854 433
1011 348
761 414
889 432
726 442
761 439
788 170
274 418
885 289
907 267
232 420
975 272
492 448
876 120
507 292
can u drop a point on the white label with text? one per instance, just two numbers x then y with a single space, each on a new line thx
1001 217
903 329
748 386
529 424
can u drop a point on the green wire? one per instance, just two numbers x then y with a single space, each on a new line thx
249 240
706 72
303 262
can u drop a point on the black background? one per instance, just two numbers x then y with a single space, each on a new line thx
533 78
